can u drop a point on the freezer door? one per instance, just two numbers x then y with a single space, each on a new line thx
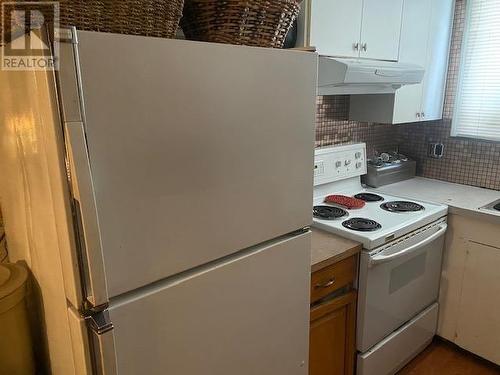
196 150
248 315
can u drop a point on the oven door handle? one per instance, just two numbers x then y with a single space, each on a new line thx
387 258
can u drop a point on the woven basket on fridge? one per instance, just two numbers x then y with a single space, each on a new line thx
138 17
252 22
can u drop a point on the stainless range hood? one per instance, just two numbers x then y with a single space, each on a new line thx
339 76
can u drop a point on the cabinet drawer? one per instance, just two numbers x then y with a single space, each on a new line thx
332 278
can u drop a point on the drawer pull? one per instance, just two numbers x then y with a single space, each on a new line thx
328 284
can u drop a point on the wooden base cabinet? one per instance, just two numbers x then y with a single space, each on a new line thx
332 336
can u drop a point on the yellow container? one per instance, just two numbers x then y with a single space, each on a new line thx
16 351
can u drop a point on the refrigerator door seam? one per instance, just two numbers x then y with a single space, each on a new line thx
168 282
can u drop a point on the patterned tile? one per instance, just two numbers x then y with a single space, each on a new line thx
333 127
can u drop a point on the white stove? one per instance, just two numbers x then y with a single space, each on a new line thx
392 224
400 266
338 170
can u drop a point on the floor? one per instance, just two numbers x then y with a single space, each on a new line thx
443 358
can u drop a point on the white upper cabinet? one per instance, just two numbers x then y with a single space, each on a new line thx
353 28
414 42
336 26
381 29
425 40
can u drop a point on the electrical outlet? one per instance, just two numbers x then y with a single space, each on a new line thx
436 150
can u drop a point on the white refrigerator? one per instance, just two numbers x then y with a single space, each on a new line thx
161 192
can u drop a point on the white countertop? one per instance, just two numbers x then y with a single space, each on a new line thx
461 199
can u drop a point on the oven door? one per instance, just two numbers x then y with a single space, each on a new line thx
397 281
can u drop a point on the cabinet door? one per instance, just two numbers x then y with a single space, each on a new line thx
381 29
407 104
413 49
478 327
335 26
332 337
436 67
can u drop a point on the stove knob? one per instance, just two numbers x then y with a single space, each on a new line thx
338 164
347 162
357 155
359 165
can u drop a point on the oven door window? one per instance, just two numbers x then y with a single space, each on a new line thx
407 272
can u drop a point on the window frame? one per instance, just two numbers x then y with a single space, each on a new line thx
458 90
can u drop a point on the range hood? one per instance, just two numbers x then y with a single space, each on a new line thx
339 76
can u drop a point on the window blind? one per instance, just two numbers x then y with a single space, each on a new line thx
477 105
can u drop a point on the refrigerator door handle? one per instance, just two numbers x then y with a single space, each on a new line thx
95 287
102 343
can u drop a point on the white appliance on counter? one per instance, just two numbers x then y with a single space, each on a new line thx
400 266
187 197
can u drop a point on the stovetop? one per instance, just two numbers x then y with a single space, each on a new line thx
382 218
373 225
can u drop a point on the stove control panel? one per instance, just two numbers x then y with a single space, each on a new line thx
339 163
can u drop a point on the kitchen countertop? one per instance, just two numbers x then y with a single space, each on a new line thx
461 199
328 248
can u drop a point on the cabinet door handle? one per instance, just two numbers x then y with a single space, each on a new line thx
328 284
418 114
355 46
364 47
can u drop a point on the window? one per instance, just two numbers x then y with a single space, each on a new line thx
477 105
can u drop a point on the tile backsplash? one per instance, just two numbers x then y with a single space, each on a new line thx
333 127
466 161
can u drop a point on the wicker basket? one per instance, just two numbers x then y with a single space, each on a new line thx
253 22
138 17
